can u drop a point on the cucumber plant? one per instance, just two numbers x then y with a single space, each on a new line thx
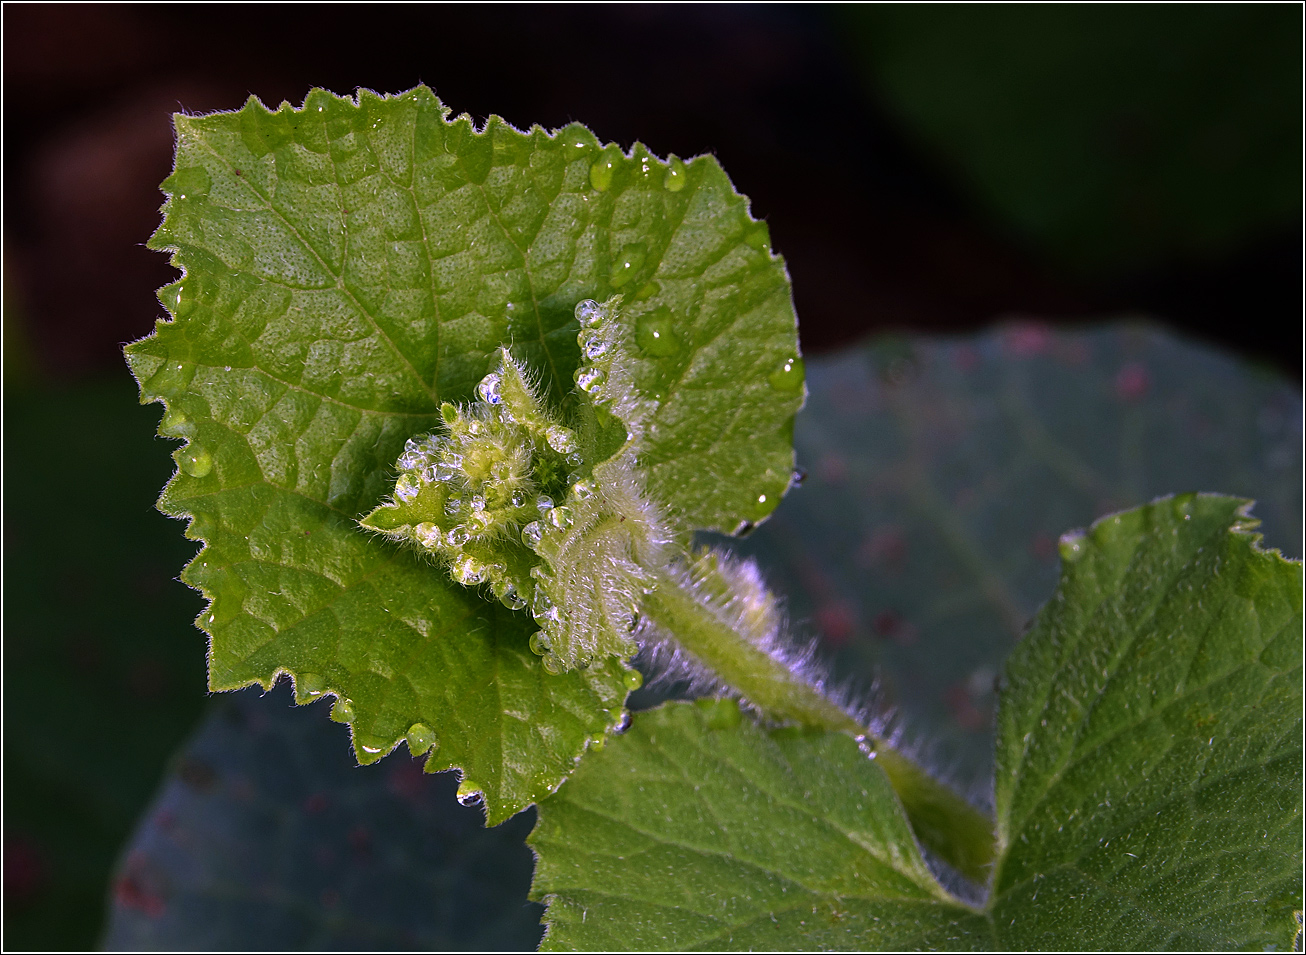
455 400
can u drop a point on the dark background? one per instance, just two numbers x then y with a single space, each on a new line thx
921 168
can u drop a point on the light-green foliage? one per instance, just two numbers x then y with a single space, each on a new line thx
351 265
370 359
1149 774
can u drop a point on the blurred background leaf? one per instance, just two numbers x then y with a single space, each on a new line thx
941 473
268 835
914 240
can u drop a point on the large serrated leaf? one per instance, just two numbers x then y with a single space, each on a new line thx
1149 784
1148 794
349 265
699 830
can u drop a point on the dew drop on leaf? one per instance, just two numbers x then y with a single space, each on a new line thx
458 536
630 261
589 312
532 534
342 711
633 679
469 793
677 176
603 170
655 335
488 389
539 643
421 738
789 376
195 461
560 439
1071 546
561 517
309 684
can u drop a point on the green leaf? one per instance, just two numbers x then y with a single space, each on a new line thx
699 830
350 265
1149 785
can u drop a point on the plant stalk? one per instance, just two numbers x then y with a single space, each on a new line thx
943 821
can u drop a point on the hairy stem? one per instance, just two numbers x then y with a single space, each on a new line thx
943 821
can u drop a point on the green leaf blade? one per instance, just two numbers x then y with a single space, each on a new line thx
1150 740
694 831
348 266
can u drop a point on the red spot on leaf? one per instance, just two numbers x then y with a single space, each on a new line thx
836 621
1132 381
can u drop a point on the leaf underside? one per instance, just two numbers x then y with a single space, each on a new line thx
1148 784
351 264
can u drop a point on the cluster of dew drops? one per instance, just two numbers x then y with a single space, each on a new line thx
489 466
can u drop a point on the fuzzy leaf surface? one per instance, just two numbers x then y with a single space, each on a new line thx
699 830
1148 789
1149 761
348 266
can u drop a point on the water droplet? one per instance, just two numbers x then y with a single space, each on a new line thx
595 348
561 517
175 423
470 794
411 446
406 487
444 471
539 643
511 599
597 742
797 478
478 502
628 262
589 312
656 335
1072 546
532 534
677 175
195 461
458 536
467 570
584 490
560 439
420 739
758 237
633 679
310 684
551 664
588 379
575 459
453 506
455 460
489 387
789 376
543 609
623 722
342 711
544 504
518 498
411 460
428 535
602 172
